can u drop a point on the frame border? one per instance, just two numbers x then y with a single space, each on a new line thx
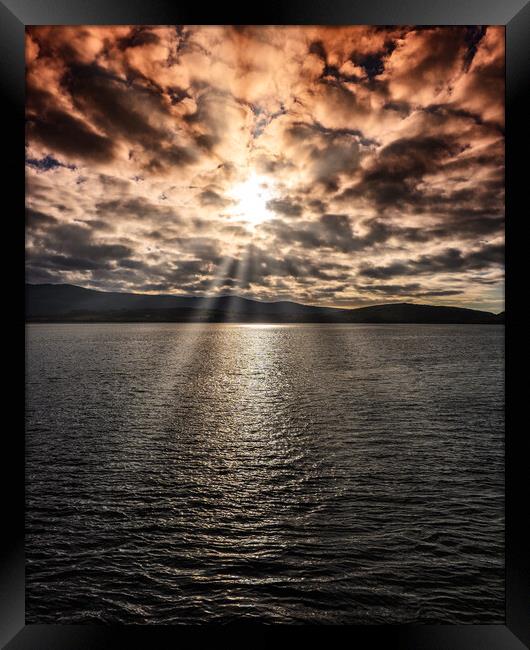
515 15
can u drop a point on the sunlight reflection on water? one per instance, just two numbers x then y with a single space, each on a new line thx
328 473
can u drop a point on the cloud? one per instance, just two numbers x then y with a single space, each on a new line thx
285 207
406 290
64 133
449 260
209 197
394 174
381 148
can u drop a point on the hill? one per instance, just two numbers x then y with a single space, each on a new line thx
69 303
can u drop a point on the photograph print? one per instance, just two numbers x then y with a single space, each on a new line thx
264 324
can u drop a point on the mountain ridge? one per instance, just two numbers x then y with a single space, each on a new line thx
71 303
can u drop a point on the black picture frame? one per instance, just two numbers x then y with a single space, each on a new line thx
515 15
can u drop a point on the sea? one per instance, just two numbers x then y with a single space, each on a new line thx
307 473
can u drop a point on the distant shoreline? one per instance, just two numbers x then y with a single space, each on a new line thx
63 303
244 322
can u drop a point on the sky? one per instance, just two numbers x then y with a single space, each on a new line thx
340 166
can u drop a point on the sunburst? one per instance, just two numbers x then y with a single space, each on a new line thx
251 197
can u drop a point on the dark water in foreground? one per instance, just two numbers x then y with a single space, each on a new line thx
307 473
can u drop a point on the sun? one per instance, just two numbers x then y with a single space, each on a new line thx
251 197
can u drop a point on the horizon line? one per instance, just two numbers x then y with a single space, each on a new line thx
231 295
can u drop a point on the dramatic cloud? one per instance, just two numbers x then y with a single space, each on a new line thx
331 165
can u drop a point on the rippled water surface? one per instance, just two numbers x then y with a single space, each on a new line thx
308 473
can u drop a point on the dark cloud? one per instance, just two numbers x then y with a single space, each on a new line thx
392 177
404 109
374 63
304 132
36 220
410 289
210 197
135 208
112 103
133 112
72 246
69 135
317 205
334 231
138 37
450 260
285 207
317 48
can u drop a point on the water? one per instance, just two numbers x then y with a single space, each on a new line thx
300 473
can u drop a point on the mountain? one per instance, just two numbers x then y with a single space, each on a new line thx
69 303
